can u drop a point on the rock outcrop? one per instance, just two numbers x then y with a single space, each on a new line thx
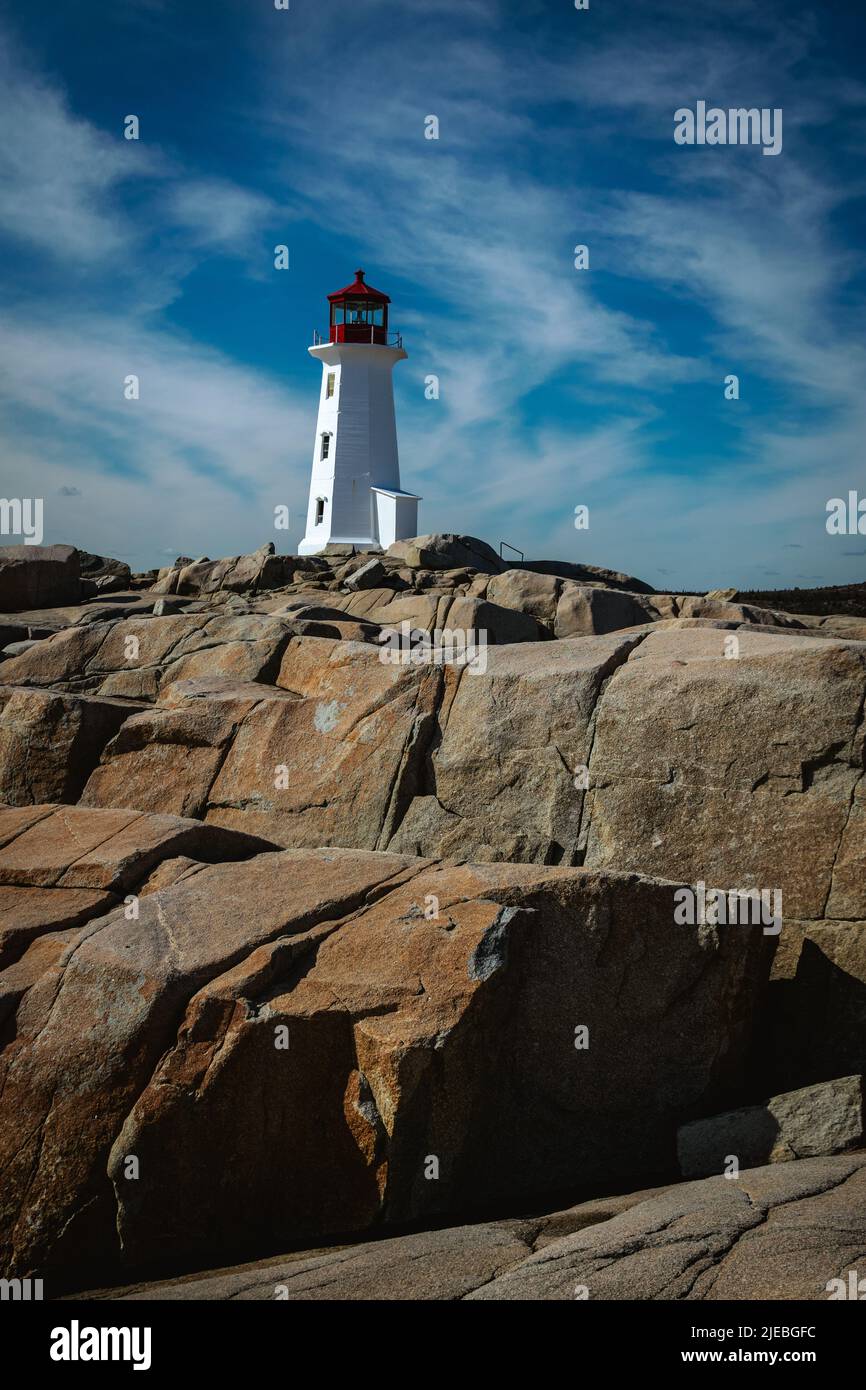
38 576
428 1015
273 849
784 1233
814 1121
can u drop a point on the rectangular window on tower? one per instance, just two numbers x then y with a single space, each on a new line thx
320 510
326 445
332 382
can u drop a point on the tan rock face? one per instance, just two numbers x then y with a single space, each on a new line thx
135 657
736 771
502 776
581 611
49 744
417 1012
537 594
649 750
167 758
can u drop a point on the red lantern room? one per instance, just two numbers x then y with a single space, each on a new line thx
359 314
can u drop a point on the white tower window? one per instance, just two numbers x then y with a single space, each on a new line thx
320 510
332 383
326 445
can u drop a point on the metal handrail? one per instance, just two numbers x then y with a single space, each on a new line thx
509 547
391 339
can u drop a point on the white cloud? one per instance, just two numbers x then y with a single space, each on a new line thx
204 455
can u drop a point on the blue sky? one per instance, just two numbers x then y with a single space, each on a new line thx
559 387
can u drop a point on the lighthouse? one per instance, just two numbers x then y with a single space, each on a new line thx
355 493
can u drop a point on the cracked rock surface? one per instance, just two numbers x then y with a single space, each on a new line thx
283 1042
778 1232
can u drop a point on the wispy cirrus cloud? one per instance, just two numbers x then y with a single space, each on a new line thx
557 386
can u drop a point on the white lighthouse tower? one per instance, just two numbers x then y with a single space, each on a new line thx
355 493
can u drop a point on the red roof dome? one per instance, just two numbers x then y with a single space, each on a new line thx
359 290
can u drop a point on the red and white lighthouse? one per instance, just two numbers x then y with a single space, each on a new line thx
355 493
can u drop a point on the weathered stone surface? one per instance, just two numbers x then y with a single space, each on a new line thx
706 607
503 777
61 866
585 574
501 626
437 1264
814 1121
446 551
38 576
49 744
581 611
107 574
60 1116
167 758
330 756
738 772
778 1232
677 745
409 1034
803 1232
134 657
16 648
536 594
29 912
445 1264
235 574
366 576
351 745
79 847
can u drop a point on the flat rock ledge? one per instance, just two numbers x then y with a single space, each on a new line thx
779 1232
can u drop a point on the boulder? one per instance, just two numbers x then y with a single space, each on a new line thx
109 576
709 607
585 574
38 576
582 611
50 743
536 594
260 570
366 576
18 648
814 1121
296 1042
445 552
